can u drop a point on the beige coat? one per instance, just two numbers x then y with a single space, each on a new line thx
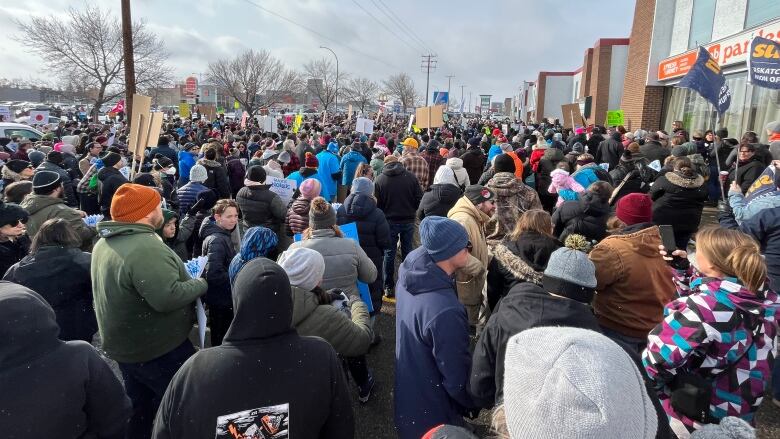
471 279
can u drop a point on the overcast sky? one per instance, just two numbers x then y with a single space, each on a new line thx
490 46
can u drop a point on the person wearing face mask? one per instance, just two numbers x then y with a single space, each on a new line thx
218 248
47 202
14 242
164 173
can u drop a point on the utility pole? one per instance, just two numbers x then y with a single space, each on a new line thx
449 83
461 98
469 102
428 62
127 48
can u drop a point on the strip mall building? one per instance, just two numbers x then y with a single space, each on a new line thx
638 74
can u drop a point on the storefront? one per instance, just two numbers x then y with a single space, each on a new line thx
751 107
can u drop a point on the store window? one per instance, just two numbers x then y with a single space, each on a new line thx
759 11
702 19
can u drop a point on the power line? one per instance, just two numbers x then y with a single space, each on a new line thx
400 26
428 63
304 27
407 28
384 25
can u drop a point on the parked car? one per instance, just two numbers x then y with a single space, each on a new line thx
8 129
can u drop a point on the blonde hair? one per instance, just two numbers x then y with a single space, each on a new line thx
733 253
534 220
498 423
307 234
364 170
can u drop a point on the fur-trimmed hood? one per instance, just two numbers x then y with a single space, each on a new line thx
678 179
516 265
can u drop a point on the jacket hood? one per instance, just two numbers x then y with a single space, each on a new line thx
34 203
593 206
617 136
445 190
167 215
262 302
209 163
553 154
642 238
504 184
464 205
209 227
359 205
393 168
304 304
678 179
110 229
28 326
423 275
528 302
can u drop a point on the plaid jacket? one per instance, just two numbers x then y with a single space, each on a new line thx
434 160
417 166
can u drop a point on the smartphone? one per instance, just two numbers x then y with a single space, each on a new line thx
667 238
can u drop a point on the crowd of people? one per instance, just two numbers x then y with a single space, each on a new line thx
559 278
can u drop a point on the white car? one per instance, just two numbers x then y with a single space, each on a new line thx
8 129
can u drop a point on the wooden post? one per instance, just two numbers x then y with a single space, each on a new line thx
127 49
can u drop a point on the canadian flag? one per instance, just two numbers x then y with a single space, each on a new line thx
119 107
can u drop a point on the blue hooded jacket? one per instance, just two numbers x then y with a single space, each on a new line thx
494 151
432 360
329 165
186 162
349 164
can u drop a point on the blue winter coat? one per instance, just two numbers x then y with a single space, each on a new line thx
311 173
494 151
186 162
765 228
432 363
349 164
586 176
329 165
187 196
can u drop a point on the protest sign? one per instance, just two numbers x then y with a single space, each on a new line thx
571 115
429 117
614 118
365 126
283 187
764 63
155 126
349 111
139 123
184 111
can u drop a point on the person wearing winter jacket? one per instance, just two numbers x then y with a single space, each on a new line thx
595 139
564 186
14 243
432 358
513 197
218 248
187 194
297 219
345 261
653 150
747 169
434 159
58 271
610 150
474 160
349 163
258 204
547 164
587 216
329 170
588 172
187 158
398 195
633 285
68 381
164 148
235 171
109 179
442 194
310 169
521 256
217 178
53 163
722 328
373 231
678 200
377 161
632 174
177 233
211 391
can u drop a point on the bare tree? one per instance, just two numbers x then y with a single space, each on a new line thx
320 75
361 92
85 46
255 79
400 86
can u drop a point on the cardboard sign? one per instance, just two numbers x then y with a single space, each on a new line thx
283 187
430 117
139 123
571 115
614 118
209 112
155 126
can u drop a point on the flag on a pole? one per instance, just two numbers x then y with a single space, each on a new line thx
706 78
38 117
119 107
764 63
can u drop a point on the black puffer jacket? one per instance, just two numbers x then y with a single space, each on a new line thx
438 200
261 207
217 177
516 261
373 230
474 162
587 216
398 193
109 179
547 164
653 150
747 173
610 151
218 247
61 275
678 201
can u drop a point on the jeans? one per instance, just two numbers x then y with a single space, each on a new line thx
145 384
637 344
406 233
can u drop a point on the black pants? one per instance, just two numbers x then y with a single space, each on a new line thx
219 322
358 368
145 384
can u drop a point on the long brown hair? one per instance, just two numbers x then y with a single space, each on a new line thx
533 220
364 170
55 231
733 253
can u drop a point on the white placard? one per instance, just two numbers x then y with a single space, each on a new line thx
283 187
365 126
38 117
5 113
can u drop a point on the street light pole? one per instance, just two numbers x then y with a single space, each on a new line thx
461 98
336 98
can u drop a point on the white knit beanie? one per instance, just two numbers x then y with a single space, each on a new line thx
562 382
304 266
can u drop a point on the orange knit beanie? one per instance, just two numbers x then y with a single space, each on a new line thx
132 202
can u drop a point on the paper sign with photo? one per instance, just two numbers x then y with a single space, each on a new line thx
263 422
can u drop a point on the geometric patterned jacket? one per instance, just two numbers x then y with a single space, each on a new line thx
705 331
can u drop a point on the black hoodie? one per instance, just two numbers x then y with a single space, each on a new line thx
398 193
438 200
48 387
262 368
587 216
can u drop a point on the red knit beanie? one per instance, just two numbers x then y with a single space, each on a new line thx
132 202
311 161
634 209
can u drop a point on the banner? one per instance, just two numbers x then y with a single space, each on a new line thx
184 111
484 101
614 118
764 63
283 187
441 98
765 184
706 79
38 117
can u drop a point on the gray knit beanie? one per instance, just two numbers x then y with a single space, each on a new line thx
571 274
304 266
198 173
562 382
321 214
